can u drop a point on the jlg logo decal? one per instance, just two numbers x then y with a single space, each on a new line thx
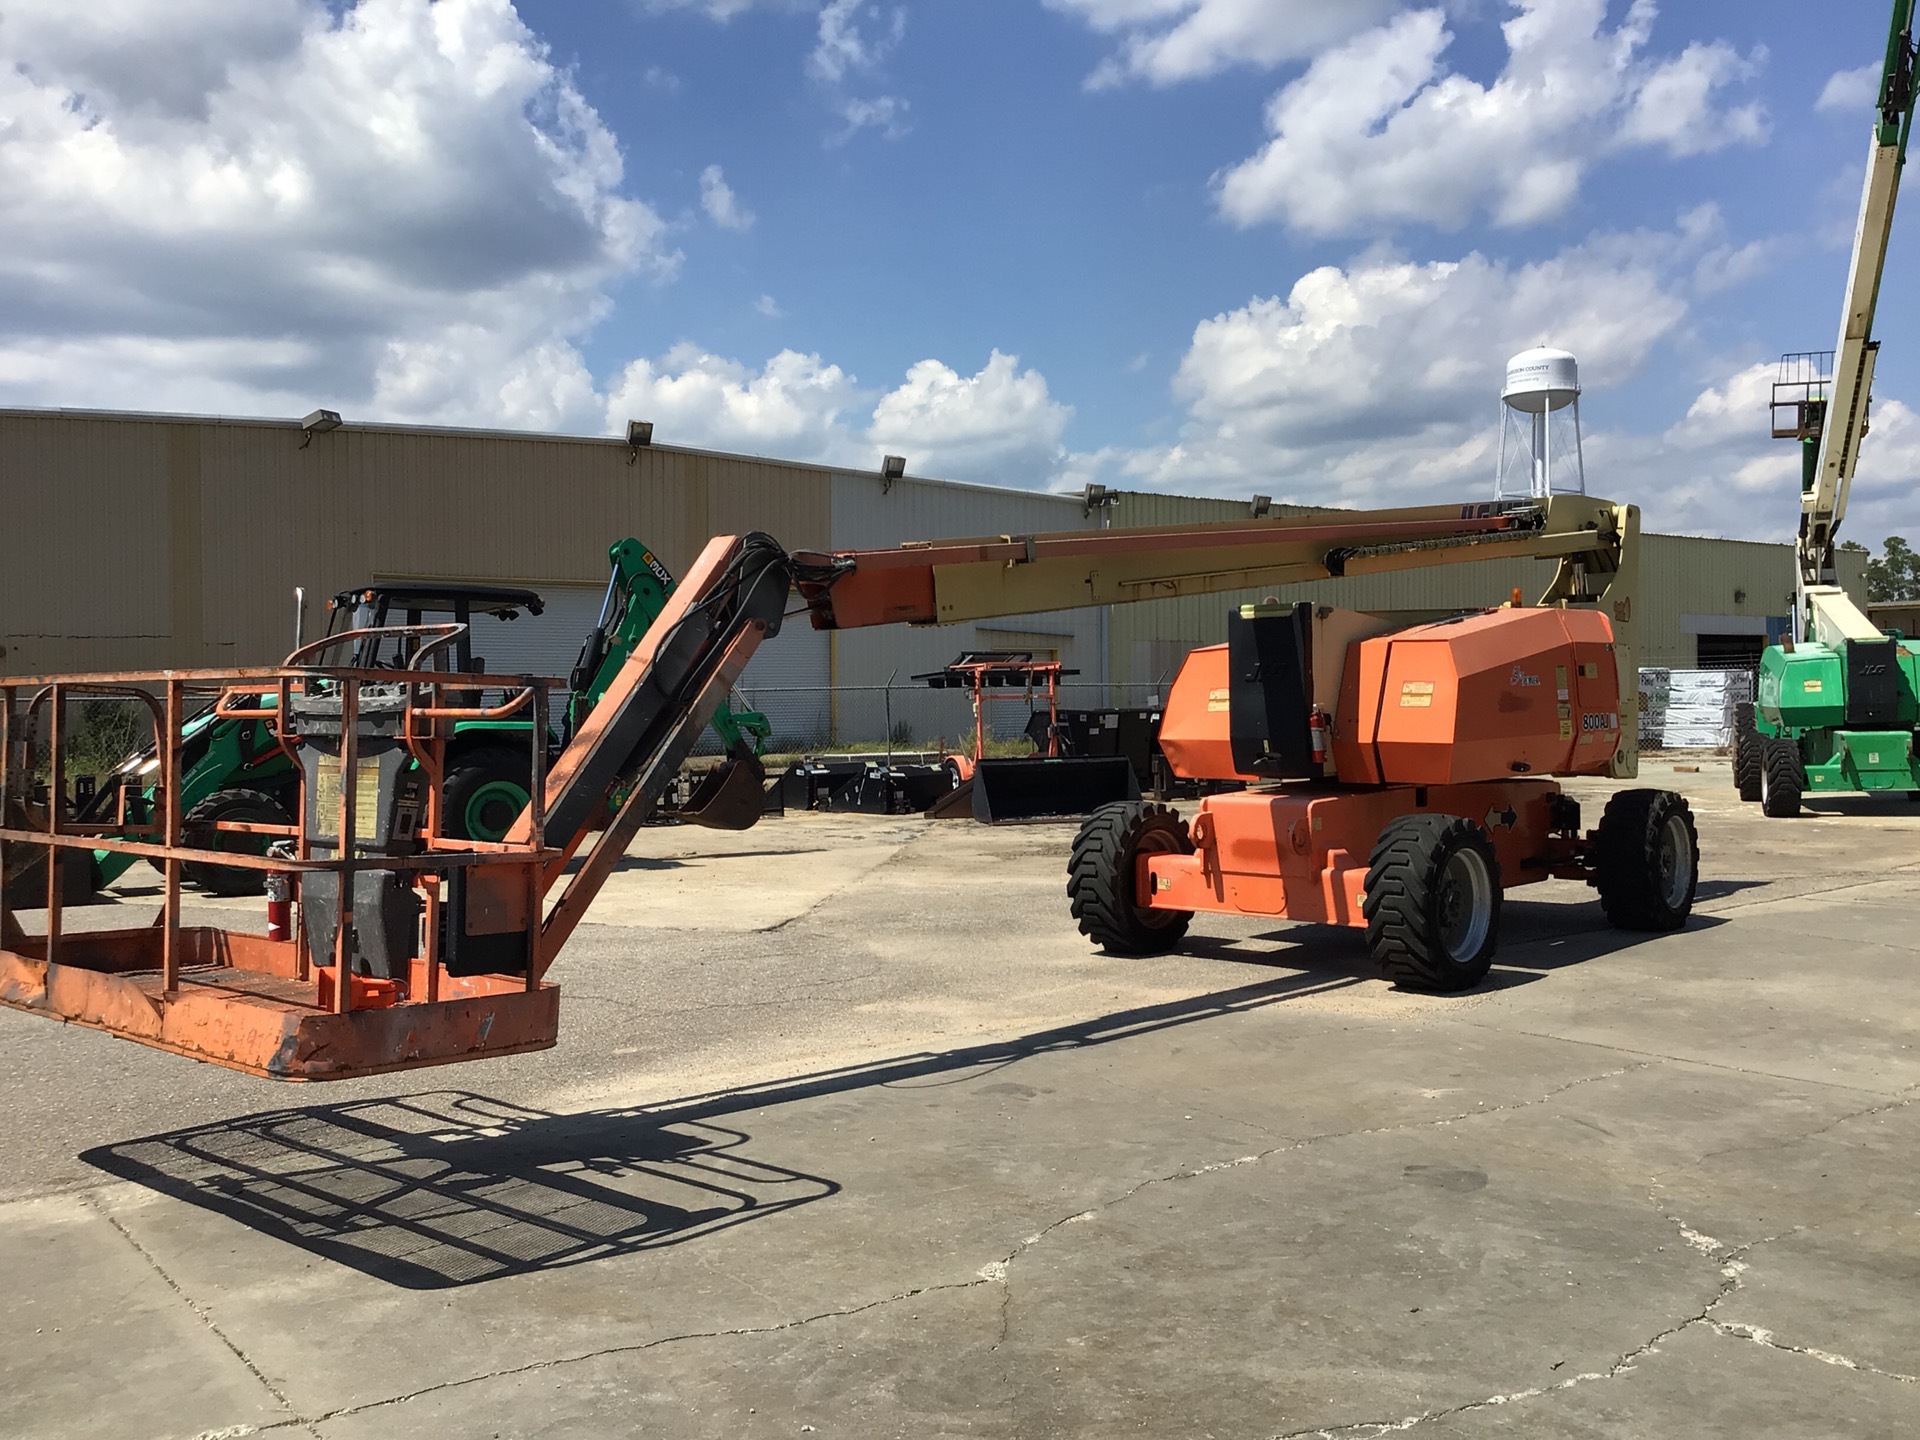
1520 677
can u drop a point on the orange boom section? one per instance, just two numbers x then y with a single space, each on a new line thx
1509 692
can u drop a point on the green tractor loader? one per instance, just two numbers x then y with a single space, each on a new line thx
235 769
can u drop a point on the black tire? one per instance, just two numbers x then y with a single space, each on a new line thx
1782 781
1100 877
197 830
1433 903
1646 862
486 788
1747 745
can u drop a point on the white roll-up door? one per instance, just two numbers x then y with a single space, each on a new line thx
787 681
543 644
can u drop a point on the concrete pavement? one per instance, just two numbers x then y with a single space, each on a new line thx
850 1134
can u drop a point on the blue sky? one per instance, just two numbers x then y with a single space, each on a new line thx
1209 246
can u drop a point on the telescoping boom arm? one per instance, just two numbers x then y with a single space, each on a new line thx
635 738
1823 501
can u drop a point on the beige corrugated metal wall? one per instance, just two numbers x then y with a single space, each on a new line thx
146 541
138 541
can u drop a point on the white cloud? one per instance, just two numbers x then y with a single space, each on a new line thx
1851 90
843 47
769 307
1377 383
1376 132
1000 424
723 207
1730 413
721 10
1888 476
853 40
886 114
1673 107
792 407
304 208
1719 470
1167 41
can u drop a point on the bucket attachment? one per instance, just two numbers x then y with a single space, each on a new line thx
25 880
732 796
955 804
1043 789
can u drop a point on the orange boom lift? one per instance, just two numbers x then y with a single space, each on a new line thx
1400 780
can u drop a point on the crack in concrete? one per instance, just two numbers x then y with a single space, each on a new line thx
1657 1055
634 1348
1730 1271
995 1272
908 841
1760 1335
204 1316
1804 1137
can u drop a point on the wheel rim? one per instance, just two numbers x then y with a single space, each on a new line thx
1673 862
491 810
1464 905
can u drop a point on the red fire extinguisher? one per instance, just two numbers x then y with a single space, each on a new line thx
1317 733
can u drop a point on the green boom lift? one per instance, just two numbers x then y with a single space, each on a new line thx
1836 709
235 770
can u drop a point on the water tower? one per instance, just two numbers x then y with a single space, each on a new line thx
1540 427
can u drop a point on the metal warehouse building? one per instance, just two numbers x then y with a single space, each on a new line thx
148 541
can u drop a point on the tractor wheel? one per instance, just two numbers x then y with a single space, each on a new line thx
1782 781
1647 860
1433 902
1101 877
197 829
486 789
1747 745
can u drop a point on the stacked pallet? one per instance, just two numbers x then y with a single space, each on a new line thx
1690 709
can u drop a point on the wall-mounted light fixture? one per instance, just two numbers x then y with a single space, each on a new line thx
1097 497
892 468
639 432
1262 506
318 423
1739 596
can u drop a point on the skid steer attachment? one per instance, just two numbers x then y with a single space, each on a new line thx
731 796
1006 791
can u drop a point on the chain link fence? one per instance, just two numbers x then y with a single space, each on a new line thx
914 717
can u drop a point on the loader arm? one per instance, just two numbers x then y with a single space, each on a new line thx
637 593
